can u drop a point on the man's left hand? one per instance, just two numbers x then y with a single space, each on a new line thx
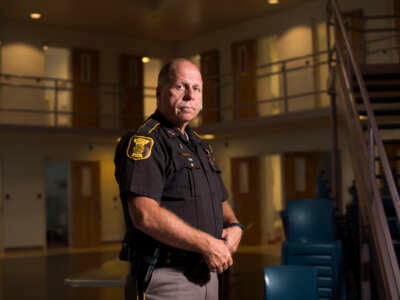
232 236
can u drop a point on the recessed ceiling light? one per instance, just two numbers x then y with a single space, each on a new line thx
145 59
35 16
273 1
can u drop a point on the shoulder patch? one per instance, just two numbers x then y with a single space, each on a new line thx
139 147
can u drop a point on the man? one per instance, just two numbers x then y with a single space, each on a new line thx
174 198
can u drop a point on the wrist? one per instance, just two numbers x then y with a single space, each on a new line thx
235 224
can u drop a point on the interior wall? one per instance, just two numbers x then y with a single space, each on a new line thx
295 139
1 209
57 63
151 70
268 86
24 198
271 178
65 149
21 58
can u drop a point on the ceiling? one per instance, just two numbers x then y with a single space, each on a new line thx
162 20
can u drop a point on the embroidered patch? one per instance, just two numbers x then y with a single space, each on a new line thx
140 147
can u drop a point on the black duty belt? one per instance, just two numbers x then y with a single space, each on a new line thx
177 259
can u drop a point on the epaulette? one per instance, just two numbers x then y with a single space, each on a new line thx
196 134
148 126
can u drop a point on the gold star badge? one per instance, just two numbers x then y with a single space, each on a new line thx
140 147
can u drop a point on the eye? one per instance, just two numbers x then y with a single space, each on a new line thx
179 86
197 89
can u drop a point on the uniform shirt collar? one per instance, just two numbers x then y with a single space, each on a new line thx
173 131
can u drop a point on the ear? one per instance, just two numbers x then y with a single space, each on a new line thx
158 94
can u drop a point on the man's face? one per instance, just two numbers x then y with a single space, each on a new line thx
180 100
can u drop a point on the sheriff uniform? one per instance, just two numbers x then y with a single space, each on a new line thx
179 172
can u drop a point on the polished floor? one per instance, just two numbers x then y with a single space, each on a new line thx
39 274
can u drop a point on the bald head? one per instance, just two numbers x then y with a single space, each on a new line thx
168 71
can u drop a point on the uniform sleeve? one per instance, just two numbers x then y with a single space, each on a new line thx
224 192
142 175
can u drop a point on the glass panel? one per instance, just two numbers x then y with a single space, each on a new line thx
300 174
85 68
242 60
244 177
86 184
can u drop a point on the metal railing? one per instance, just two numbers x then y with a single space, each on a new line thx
282 86
374 224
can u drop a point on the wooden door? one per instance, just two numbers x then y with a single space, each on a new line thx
85 75
246 194
244 79
131 78
1 213
355 24
211 89
300 175
85 204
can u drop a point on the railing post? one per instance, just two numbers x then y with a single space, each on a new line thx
371 152
285 88
56 103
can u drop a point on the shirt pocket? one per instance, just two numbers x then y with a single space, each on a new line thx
181 184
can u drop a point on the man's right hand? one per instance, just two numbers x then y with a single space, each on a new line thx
217 256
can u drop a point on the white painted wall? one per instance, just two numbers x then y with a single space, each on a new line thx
1 209
272 198
24 213
24 208
21 58
151 70
58 65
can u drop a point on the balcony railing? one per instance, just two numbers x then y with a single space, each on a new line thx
284 86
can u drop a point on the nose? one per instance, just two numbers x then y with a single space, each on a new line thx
189 94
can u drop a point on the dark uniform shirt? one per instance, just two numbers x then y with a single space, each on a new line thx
159 162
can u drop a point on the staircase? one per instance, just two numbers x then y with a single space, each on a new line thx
382 83
383 86
367 101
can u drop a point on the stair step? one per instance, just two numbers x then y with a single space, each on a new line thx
395 75
380 99
381 76
394 227
390 158
396 245
388 206
378 87
391 142
384 126
382 112
389 126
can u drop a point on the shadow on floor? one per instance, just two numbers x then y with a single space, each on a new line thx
42 277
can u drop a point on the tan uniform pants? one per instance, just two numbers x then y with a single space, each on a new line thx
171 284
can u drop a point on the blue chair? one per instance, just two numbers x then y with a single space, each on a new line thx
326 258
290 283
309 220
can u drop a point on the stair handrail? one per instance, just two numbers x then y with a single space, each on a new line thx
386 257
